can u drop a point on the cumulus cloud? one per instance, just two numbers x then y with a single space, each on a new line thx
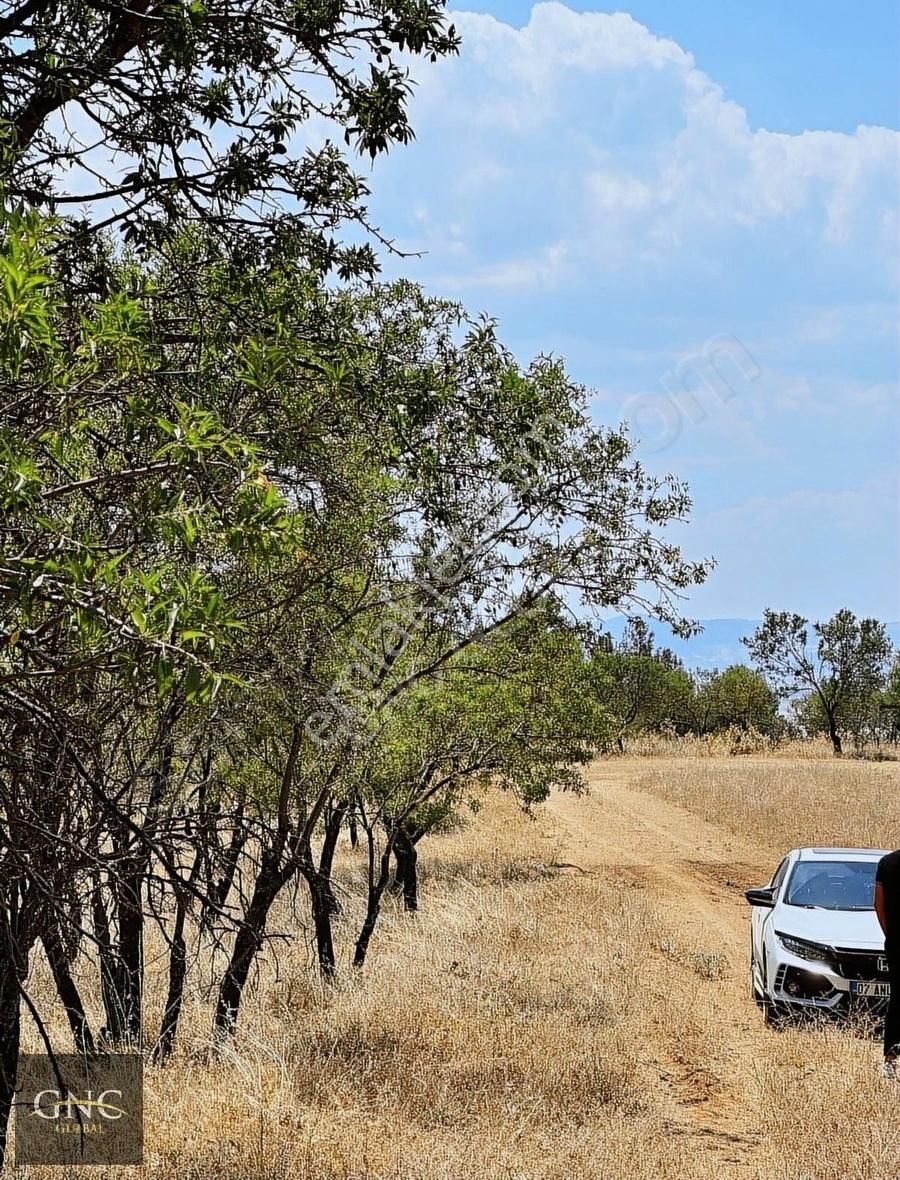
592 137
581 178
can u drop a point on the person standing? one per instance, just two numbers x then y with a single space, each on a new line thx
887 907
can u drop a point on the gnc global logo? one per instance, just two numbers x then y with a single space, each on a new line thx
78 1113
72 1110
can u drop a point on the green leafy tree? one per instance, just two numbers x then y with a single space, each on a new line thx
866 717
644 689
247 517
847 664
126 497
515 711
738 698
122 487
153 116
889 704
463 468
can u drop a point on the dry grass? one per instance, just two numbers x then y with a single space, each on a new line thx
786 804
826 1117
735 741
490 1037
534 1023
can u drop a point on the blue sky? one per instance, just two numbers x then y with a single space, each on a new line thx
646 192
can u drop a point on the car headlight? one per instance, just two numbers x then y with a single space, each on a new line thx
803 949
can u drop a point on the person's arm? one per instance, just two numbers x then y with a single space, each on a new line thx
880 908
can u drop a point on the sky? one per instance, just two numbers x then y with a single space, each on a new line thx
695 205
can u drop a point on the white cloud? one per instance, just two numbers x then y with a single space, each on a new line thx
586 181
602 142
848 511
542 270
621 194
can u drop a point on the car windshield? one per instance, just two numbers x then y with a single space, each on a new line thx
832 884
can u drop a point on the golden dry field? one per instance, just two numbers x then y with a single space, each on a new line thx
571 1001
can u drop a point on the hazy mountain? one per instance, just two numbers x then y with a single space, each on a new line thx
717 645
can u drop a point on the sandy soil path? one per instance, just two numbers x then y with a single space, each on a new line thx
694 874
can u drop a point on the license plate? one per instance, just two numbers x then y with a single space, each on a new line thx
866 987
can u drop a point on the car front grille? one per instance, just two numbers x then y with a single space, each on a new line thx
860 964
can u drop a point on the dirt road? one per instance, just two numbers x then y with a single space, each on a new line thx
706 1050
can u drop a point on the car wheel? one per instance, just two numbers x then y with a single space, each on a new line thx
758 997
775 1014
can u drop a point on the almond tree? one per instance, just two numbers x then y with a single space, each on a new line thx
847 662
122 496
150 116
515 711
738 697
478 489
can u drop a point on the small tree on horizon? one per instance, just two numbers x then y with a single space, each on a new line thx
741 698
849 661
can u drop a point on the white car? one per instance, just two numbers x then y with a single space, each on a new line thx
815 942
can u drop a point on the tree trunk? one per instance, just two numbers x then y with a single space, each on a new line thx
10 1031
114 1030
836 743
168 1029
131 948
219 890
69 994
250 935
18 921
133 872
326 856
373 907
177 970
322 902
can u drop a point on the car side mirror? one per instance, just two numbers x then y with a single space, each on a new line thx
763 897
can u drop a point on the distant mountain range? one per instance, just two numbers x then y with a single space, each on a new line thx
717 645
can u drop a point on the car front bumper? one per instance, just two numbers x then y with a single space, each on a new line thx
807 983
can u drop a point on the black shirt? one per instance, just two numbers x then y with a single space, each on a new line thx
888 873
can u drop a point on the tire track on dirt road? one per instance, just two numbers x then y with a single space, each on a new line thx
705 1036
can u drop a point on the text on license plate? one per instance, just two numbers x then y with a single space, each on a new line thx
866 987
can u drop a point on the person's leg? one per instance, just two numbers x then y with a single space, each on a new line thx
892 1019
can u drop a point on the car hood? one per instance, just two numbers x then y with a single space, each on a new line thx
849 928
